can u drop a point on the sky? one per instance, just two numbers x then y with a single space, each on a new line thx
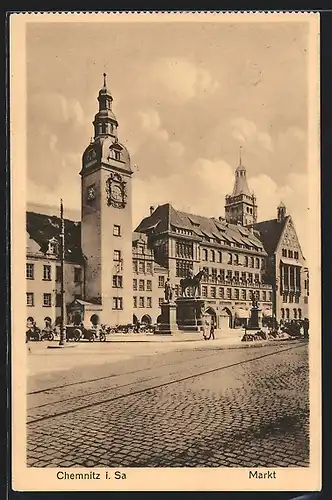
186 96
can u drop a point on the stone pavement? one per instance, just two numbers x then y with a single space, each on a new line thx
204 406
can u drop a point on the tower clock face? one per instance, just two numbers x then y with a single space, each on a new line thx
91 193
116 191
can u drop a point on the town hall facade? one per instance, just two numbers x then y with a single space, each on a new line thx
119 274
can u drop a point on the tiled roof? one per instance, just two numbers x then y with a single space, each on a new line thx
270 233
165 216
41 228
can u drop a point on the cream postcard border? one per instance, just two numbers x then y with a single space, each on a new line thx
162 479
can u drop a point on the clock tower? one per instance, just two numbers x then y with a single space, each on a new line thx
106 229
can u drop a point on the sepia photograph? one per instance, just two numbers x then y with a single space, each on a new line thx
165 176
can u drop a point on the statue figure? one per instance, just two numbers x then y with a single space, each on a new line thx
192 281
254 301
168 291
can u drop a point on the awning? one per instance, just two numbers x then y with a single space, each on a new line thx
242 313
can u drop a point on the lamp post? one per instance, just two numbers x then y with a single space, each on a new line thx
62 268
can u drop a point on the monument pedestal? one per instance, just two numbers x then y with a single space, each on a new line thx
189 313
168 323
254 320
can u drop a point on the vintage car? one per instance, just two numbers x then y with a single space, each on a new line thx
78 332
33 333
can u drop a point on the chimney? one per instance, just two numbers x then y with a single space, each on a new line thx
151 210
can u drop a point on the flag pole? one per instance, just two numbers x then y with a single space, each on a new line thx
62 292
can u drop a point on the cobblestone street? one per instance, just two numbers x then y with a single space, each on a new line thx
196 405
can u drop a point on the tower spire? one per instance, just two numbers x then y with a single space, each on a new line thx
240 156
105 82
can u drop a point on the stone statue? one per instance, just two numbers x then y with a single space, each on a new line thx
168 291
254 301
192 281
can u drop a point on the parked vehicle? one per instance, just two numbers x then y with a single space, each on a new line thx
33 333
78 332
47 333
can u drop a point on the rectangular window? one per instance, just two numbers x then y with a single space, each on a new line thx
221 292
237 275
135 302
47 273
213 292
229 275
243 276
141 301
30 299
116 230
149 267
161 281
30 271
149 285
58 300
135 266
222 275
141 267
237 293
204 291
296 255
141 286
77 275
263 296
134 284
270 296
47 300
214 275
219 256
284 297
160 301
229 293
117 281
117 155
250 277
148 301
297 299
58 274
117 303
244 294
117 256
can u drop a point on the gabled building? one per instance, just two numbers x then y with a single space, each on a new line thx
287 271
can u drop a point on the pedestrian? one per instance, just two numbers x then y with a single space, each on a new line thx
211 336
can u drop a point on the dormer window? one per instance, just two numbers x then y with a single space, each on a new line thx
117 155
52 246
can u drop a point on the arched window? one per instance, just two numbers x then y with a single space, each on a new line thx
251 262
219 256
257 263
282 313
300 314
246 261
205 254
213 256
236 259
295 313
287 313
230 258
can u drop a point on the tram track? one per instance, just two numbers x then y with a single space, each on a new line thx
135 392
113 375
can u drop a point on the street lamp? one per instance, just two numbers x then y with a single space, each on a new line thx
62 269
